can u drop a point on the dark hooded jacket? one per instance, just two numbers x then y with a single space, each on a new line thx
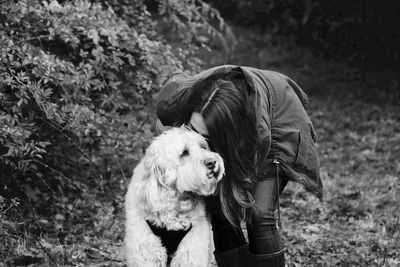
285 131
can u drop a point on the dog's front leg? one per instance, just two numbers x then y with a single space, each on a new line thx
195 248
142 247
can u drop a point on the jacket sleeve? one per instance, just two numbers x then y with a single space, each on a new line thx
165 108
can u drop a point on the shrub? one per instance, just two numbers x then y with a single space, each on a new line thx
77 79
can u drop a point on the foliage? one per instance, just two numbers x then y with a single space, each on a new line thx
77 83
201 27
72 77
362 30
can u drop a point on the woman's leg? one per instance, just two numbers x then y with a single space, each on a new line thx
231 249
226 237
264 238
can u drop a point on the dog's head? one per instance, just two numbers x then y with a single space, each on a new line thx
181 159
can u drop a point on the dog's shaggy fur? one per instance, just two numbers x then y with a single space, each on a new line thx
166 188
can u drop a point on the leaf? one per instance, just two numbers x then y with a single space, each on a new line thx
94 253
20 102
94 36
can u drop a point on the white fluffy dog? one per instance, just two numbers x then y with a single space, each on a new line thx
166 188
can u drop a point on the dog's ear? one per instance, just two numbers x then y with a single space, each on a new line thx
155 162
150 192
149 196
153 165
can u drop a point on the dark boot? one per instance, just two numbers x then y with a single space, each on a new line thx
276 259
237 257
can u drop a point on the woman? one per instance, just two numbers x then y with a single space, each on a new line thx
256 120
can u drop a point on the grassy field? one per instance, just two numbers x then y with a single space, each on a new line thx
357 224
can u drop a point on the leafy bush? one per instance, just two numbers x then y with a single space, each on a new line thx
77 79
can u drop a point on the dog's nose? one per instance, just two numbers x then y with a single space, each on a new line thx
210 163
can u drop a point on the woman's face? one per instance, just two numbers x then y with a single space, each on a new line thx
198 125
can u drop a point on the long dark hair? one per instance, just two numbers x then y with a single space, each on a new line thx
222 98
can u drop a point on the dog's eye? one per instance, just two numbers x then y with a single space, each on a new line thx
204 146
184 153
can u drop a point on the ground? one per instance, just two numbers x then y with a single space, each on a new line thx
357 224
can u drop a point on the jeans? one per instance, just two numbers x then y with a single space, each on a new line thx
262 232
